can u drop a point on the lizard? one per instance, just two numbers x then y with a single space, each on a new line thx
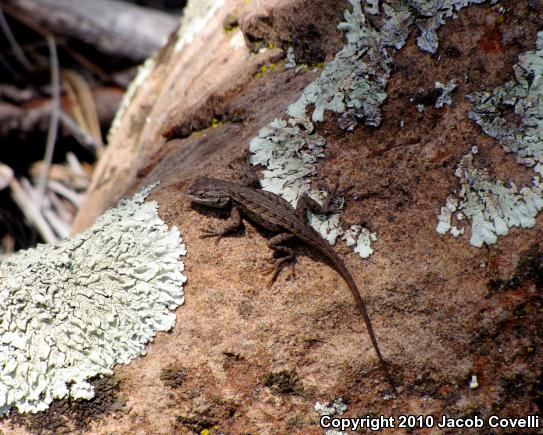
275 214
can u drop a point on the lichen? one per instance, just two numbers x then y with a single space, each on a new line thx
196 16
432 15
524 95
291 59
348 85
446 91
73 310
361 239
492 205
289 151
352 85
337 407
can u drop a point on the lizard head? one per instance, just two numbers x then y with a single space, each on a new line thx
208 191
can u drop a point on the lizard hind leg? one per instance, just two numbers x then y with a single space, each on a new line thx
276 243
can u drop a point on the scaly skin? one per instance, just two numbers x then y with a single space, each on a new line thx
275 214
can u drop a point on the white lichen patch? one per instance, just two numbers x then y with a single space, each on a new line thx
336 408
349 84
352 85
291 59
432 15
73 310
361 238
446 92
289 151
492 205
196 16
525 96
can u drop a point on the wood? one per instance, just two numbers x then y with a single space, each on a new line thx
115 27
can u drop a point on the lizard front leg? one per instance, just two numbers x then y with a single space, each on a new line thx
276 243
233 224
305 202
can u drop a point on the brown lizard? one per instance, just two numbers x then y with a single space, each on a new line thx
273 213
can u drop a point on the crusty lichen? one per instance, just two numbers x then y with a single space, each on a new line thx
73 310
525 96
347 85
446 91
432 15
492 205
361 239
290 149
336 408
352 85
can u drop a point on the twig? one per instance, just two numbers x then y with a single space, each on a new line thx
75 165
60 208
56 223
67 193
53 120
27 204
106 25
15 47
79 135
83 107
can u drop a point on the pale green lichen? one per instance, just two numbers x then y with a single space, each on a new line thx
371 7
353 85
492 205
432 15
525 96
361 238
291 59
73 310
289 151
349 85
336 408
446 91
195 18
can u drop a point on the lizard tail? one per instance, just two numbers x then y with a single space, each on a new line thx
346 275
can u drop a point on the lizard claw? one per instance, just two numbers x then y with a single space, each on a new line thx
212 232
277 266
334 201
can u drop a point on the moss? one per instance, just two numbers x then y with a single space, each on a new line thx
284 382
265 68
215 122
294 422
230 23
173 376
195 424
66 416
208 418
